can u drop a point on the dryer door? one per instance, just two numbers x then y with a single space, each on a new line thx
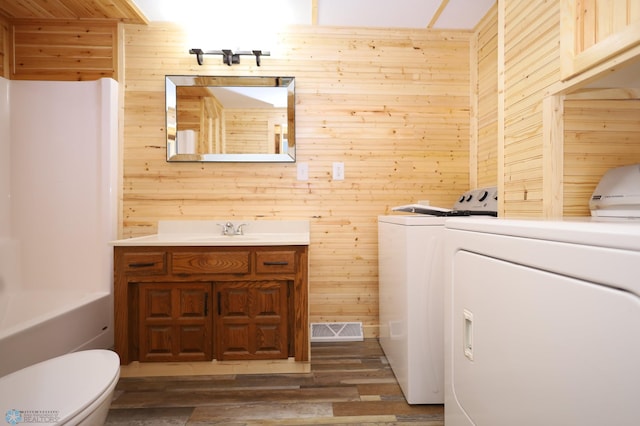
532 348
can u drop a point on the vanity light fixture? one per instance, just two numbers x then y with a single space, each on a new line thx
229 57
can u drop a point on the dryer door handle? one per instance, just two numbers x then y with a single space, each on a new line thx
467 336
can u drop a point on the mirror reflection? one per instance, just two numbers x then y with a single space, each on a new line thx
230 119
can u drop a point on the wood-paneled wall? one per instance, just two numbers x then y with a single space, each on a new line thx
599 134
486 89
531 66
63 50
249 131
595 131
392 105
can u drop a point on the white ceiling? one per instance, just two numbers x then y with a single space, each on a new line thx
457 14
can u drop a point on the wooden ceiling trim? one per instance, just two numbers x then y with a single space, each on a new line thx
118 10
436 15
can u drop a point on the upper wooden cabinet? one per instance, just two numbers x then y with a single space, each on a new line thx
593 31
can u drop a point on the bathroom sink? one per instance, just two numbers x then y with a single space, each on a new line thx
207 233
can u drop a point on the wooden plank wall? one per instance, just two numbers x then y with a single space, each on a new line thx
392 105
486 37
251 130
531 67
64 50
599 134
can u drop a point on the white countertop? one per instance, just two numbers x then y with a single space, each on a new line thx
209 233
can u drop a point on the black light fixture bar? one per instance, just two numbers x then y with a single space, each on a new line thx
229 57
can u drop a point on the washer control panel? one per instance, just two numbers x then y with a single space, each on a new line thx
478 200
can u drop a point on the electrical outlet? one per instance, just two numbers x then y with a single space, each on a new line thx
338 171
303 171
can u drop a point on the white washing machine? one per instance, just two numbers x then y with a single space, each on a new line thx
542 322
411 292
410 300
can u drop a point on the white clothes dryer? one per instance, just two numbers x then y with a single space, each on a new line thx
542 322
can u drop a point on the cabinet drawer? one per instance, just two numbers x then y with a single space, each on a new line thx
275 262
218 262
145 263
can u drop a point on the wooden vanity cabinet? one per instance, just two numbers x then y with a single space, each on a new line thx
179 303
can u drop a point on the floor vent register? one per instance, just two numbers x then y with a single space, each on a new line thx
336 332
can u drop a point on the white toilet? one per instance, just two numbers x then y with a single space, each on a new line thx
72 389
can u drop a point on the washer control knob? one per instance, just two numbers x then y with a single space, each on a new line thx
483 196
469 197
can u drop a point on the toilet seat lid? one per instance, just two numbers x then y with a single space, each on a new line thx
58 388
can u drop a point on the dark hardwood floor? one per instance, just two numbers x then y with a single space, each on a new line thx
350 383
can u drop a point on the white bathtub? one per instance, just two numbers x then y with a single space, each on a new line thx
58 212
38 325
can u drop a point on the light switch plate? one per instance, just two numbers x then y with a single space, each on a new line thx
338 171
303 171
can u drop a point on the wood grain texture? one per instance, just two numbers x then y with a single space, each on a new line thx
599 134
392 105
63 50
487 100
531 66
281 277
595 30
118 10
349 383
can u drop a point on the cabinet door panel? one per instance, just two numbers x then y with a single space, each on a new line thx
193 303
158 303
191 340
268 338
175 324
251 320
268 303
235 340
157 340
236 302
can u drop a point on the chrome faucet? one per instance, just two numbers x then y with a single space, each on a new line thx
240 229
229 229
